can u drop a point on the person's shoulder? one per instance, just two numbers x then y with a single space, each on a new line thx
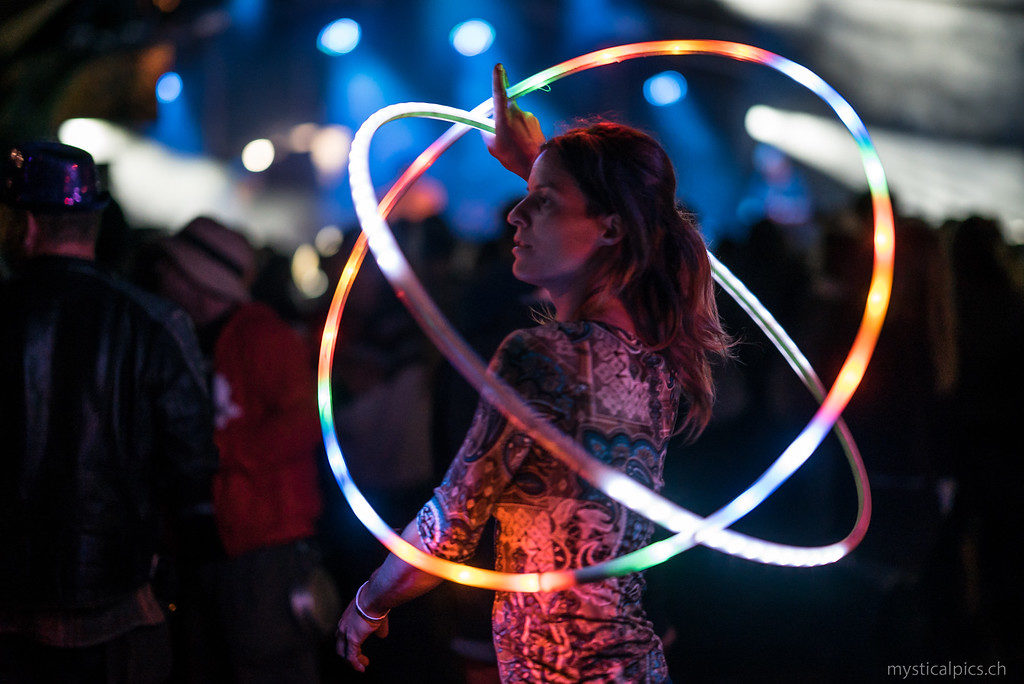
161 314
540 336
555 334
557 342
143 303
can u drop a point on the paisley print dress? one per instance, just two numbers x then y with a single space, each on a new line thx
599 385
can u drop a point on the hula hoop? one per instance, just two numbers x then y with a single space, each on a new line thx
690 529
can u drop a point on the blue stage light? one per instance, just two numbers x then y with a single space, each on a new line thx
168 87
472 37
665 88
339 37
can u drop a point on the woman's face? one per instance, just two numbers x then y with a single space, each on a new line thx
554 235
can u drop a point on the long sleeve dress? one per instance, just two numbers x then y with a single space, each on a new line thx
602 387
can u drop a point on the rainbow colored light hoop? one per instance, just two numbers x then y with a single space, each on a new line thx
690 529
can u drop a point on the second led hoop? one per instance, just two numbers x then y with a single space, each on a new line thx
691 529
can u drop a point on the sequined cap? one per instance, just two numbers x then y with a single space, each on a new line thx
50 176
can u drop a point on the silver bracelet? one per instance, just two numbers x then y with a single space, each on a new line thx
367 616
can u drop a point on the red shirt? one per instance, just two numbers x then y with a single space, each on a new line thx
266 491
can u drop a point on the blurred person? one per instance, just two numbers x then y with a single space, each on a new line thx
624 365
107 426
986 438
266 495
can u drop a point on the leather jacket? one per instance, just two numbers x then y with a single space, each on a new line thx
105 432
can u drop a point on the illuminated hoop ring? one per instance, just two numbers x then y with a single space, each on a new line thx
690 529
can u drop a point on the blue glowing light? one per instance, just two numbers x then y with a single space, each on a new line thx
168 87
339 37
665 88
247 14
472 37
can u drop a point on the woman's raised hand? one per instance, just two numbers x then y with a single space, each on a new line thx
517 138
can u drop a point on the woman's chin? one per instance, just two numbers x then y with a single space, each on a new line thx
521 273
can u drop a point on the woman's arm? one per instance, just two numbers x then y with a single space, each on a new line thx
517 138
392 584
450 524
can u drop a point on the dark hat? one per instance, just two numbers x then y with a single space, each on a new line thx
49 176
216 257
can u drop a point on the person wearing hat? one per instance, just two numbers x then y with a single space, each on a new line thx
106 425
266 495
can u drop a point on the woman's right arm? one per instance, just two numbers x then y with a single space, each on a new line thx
390 585
517 138
450 524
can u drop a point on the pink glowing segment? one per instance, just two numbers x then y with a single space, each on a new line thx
690 528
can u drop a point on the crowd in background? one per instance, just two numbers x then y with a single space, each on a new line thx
934 419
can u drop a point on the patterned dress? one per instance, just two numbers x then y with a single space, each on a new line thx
601 386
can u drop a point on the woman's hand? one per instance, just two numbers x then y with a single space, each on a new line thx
353 629
517 138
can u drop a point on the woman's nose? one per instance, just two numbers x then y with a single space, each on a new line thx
515 217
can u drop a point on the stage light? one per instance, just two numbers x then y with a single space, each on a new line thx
328 240
301 136
472 37
309 278
168 87
329 150
339 37
665 88
100 138
166 6
258 155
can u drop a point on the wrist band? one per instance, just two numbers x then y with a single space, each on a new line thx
367 616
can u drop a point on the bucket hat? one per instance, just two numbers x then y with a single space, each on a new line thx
216 257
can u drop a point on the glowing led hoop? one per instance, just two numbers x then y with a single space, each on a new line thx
690 529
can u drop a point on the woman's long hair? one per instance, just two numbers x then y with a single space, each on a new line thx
659 269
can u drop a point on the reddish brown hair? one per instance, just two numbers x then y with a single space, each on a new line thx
659 269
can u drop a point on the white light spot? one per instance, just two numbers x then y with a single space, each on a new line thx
472 37
339 37
258 155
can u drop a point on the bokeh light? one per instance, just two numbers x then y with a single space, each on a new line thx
310 280
258 155
328 150
100 138
339 37
169 87
328 240
472 37
665 88
300 138
166 6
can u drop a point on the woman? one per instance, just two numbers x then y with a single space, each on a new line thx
623 367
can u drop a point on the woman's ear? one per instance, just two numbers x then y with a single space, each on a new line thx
612 229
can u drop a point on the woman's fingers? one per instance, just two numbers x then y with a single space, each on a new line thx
517 137
350 650
499 94
352 632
